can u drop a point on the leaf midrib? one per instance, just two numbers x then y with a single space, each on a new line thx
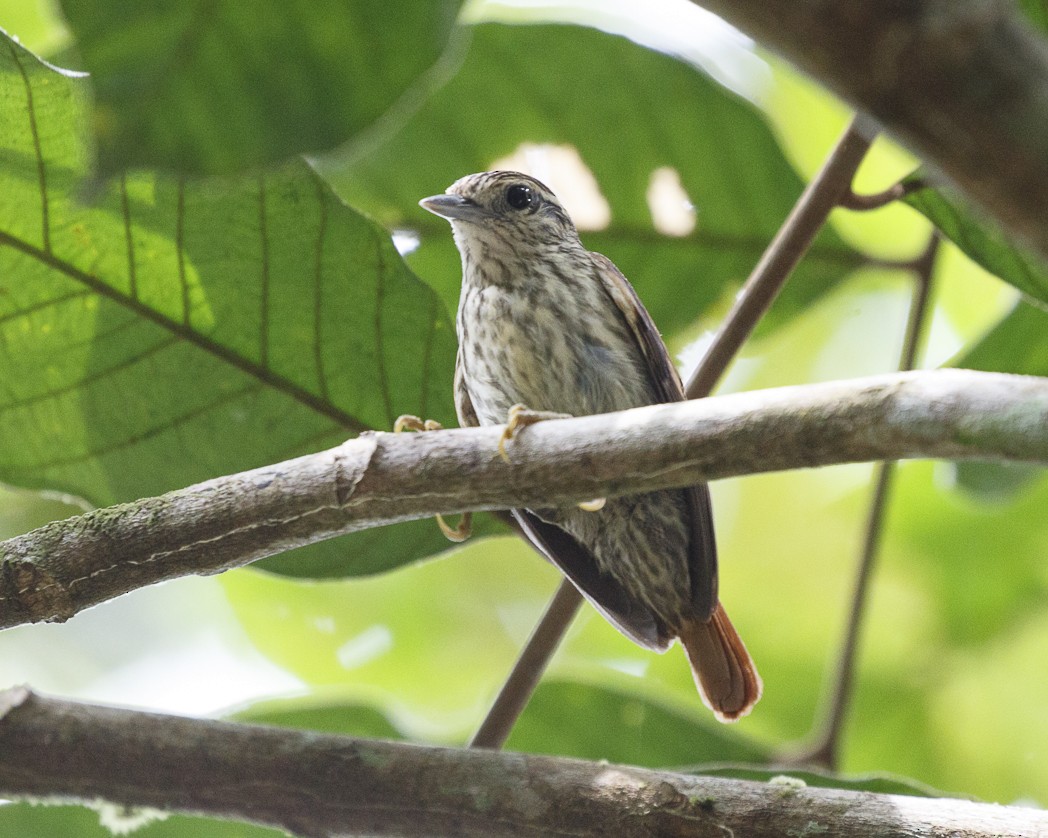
184 332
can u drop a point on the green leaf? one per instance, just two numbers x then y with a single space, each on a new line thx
790 780
633 730
28 820
1017 344
628 111
216 87
160 332
347 718
399 637
373 551
984 563
1036 11
981 239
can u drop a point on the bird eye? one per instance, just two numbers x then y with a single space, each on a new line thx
520 196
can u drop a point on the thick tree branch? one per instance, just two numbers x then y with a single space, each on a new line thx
64 567
321 786
964 83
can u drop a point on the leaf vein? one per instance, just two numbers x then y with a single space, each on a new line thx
41 170
146 434
318 291
180 249
263 314
183 331
380 357
100 375
125 207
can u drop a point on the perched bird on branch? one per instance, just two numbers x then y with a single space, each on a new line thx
547 328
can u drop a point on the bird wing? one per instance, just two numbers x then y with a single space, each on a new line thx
574 560
467 415
702 560
606 595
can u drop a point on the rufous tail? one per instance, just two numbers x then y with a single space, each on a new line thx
723 670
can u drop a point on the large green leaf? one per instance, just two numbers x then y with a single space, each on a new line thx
791 779
633 730
628 111
1036 12
981 238
216 87
157 332
27 820
1018 344
309 713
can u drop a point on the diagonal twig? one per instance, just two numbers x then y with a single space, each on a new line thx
825 749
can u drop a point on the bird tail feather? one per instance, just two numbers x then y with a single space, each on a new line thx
723 670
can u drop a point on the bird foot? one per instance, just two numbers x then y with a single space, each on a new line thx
407 422
464 530
459 533
521 416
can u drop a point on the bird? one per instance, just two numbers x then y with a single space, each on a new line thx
546 329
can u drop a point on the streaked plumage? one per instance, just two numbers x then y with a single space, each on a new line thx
545 323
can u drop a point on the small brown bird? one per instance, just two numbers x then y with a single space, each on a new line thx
547 327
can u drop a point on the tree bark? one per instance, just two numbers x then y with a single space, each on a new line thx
963 83
321 786
58 570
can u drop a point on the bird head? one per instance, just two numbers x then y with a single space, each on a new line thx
501 208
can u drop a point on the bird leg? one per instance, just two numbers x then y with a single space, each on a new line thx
521 416
464 530
460 533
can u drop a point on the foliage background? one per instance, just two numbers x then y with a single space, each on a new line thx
952 688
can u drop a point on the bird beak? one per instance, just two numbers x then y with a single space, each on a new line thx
452 207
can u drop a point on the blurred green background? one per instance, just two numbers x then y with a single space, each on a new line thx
952 689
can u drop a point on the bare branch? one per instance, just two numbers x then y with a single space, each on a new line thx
826 745
527 671
322 786
896 192
825 192
961 82
64 567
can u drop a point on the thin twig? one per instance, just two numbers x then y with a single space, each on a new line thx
818 200
527 671
781 257
897 191
825 750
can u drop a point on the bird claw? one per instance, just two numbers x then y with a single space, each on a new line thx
520 416
595 505
464 530
407 422
460 533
